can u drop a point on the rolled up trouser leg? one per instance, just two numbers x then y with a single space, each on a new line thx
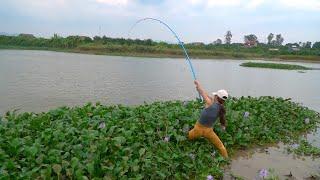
214 139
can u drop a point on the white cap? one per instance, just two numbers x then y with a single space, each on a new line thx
223 94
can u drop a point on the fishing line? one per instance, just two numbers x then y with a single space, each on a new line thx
179 41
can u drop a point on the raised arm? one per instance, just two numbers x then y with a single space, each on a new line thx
203 93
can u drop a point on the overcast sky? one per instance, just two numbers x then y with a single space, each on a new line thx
193 20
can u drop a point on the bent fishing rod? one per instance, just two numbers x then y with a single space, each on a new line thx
178 39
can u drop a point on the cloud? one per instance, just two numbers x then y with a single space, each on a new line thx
216 3
253 4
114 2
301 4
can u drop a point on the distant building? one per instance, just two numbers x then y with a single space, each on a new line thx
27 35
250 43
294 48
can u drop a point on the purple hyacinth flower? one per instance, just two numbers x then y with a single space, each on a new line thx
213 153
102 125
186 129
209 177
185 103
166 139
307 121
192 156
246 114
295 146
263 173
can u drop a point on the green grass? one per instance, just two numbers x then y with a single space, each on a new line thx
120 142
150 51
275 66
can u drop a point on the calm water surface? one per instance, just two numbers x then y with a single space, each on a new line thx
41 80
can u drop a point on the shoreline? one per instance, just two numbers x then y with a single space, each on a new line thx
163 55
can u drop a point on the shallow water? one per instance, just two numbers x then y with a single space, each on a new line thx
42 80
247 164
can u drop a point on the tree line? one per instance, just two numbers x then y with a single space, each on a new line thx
70 42
273 40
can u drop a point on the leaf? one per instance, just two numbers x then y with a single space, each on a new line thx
74 162
56 168
90 168
135 168
142 151
119 140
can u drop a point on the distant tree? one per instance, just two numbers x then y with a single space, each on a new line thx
279 40
308 44
97 38
217 42
228 37
148 42
302 44
26 35
250 40
273 43
270 37
316 45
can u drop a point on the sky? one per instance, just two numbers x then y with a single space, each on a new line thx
193 20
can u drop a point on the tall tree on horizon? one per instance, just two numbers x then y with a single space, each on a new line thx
316 45
228 37
279 40
270 37
308 44
251 40
217 42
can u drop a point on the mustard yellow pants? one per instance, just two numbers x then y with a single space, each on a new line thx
202 131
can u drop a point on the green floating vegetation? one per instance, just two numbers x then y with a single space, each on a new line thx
305 148
143 142
275 66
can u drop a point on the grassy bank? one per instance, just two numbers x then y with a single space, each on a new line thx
148 48
143 142
168 53
275 66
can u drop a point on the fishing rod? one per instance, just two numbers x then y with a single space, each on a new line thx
179 41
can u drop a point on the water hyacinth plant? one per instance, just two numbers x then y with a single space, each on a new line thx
192 156
210 177
166 139
263 173
307 121
246 114
102 125
97 141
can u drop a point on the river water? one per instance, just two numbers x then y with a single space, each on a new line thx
42 80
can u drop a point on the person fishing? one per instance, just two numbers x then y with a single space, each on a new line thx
214 108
